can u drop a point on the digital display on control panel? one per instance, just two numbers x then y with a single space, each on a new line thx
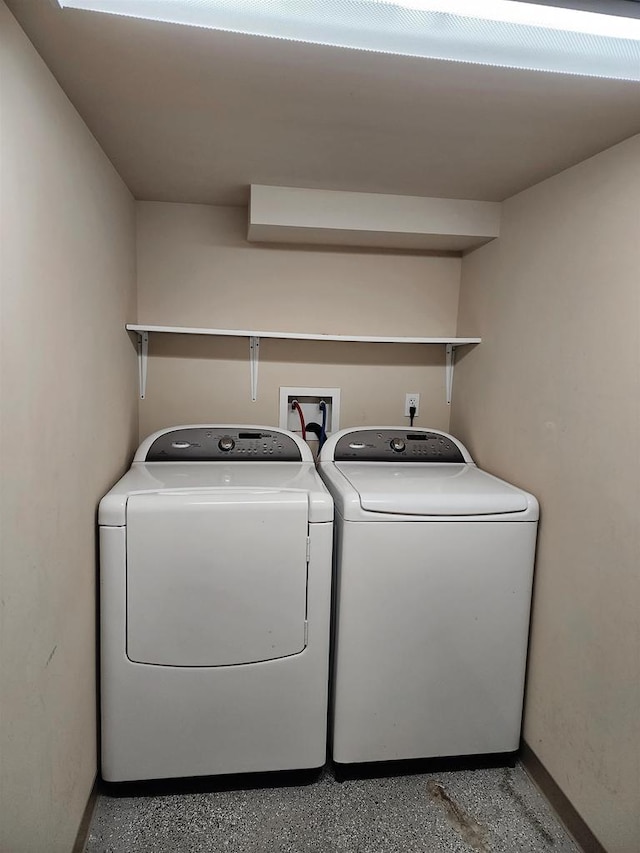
396 446
219 444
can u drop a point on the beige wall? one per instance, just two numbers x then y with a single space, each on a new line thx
195 268
551 400
68 423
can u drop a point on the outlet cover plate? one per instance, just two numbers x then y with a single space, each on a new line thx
411 399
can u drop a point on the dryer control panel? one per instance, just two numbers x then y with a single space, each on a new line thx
399 445
213 444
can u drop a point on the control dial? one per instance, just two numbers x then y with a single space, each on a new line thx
226 443
397 444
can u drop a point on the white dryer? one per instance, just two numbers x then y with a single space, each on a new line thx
215 586
433 576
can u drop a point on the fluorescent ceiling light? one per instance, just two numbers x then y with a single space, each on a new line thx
488 32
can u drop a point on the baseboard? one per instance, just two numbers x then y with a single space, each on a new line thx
83 830
576 826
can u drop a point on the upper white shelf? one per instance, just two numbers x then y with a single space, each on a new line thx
144 331
336 218
302 336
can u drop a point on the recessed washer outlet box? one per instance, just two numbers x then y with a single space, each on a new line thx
309 399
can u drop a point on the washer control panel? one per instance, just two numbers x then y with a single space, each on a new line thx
212 444
399 445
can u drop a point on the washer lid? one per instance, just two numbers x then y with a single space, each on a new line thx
416 489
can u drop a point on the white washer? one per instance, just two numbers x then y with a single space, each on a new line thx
215 587
433 575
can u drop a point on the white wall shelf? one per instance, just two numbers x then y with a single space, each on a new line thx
336 218
144 331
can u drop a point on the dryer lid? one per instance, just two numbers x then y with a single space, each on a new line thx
441 490
157 477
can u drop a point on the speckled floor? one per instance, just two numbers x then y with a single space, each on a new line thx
489 811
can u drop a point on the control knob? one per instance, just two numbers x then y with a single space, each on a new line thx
226 443
397 444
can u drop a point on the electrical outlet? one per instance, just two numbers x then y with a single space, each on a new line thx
411 400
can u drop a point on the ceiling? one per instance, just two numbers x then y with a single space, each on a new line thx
194 115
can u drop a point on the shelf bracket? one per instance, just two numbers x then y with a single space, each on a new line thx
449 365
143 353
254 360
